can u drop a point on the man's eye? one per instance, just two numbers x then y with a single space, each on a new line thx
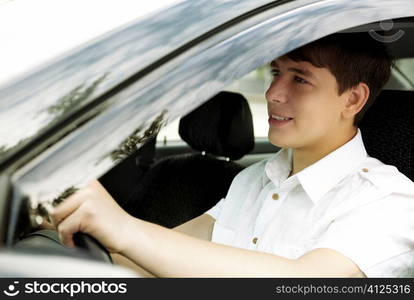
275 72
300 80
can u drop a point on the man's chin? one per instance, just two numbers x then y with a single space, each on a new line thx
278 141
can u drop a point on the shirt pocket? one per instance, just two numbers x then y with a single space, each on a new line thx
222 234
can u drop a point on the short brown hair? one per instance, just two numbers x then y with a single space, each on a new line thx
352 58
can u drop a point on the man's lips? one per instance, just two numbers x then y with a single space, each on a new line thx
280 117
279 120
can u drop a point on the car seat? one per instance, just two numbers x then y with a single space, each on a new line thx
388 130
180 187
121 180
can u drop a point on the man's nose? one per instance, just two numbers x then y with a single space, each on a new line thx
277 91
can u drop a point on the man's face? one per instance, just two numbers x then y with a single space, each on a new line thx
308 97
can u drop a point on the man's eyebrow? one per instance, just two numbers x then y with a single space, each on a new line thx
274 64
303 72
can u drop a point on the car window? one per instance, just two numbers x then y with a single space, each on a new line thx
253 86
406 68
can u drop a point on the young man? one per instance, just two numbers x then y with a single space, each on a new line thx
320 207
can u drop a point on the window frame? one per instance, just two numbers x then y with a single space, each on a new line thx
181 84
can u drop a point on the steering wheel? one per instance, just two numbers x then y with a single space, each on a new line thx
92 246
49 239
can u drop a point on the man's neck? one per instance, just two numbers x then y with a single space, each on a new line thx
304 157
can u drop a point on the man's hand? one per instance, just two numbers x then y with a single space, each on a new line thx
92 210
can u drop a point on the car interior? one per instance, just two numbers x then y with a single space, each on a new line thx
169 182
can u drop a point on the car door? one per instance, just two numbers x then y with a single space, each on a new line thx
120 112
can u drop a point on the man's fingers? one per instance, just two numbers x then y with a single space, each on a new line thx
91 210
67 207
46 225
68 227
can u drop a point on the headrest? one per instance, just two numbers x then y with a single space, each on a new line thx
388 130
222 126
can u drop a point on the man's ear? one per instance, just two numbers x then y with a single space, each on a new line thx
357 97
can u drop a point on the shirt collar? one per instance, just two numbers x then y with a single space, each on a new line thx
323 175
278 167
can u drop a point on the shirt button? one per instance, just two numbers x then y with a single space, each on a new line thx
365 170
254 241
275 196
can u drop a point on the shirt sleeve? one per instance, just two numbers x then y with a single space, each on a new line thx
216 210
378 237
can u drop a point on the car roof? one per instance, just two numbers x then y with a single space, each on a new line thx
36 31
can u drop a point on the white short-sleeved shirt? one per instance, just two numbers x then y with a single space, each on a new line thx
347 201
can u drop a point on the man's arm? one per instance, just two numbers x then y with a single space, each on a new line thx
200 227
168 253
121 260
